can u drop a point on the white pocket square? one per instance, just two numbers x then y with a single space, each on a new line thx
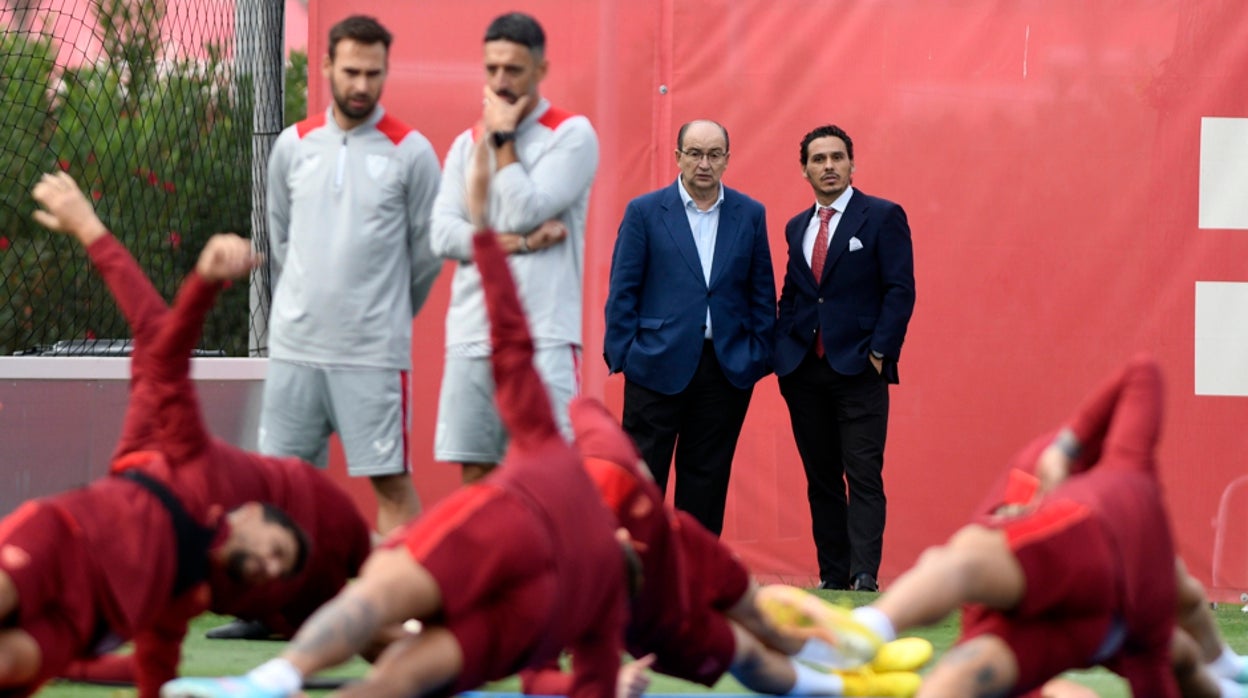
855 244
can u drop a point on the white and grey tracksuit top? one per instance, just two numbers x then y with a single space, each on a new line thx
558 156
349 240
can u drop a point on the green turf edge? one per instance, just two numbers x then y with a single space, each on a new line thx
204 657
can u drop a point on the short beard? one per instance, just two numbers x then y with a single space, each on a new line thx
344 106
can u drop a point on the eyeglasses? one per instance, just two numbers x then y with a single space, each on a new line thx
714 157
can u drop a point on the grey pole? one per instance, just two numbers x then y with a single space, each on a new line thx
260 60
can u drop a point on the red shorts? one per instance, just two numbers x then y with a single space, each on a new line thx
42 551
716 580
715 577
701 651
494 566
1069 606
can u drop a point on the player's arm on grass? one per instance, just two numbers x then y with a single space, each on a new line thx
414 665
158 648
634 679
596 655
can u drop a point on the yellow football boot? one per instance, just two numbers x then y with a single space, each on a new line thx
889 684
804 615
902 654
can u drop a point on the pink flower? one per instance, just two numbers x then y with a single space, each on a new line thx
63 164
90 334
175 239
152 179
169 187
96 194
4 243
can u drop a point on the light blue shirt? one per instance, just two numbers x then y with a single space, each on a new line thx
705 227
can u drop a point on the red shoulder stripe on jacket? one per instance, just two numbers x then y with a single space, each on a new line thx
310 124
394 129
554 116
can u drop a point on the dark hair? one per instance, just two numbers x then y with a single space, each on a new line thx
361 29
275 515
680 135
518 28
825 132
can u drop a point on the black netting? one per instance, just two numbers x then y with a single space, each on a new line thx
152 106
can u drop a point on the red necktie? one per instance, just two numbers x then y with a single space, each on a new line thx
818 256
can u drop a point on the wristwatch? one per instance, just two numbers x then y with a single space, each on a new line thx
501 137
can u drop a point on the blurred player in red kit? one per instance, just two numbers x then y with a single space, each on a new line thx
695 617
503 574
129 555
1073 567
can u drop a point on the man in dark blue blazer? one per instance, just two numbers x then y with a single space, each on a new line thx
847 298
689 320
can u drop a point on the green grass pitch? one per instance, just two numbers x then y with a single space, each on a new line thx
227 657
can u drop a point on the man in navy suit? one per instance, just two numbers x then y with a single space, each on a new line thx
690 317
847 298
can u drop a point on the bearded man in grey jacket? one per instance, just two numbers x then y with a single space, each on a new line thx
544 159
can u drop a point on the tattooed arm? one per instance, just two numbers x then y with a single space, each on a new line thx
392 587
983 666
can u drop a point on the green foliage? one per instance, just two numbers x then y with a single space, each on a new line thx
296 88
163 146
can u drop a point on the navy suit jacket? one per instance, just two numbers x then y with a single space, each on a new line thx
656 306
863 302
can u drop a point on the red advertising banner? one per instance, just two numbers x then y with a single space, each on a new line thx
1076 179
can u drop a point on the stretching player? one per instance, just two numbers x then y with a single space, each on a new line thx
338 535
1208 648
503 574
1204 666
695 617
1081 575
127 556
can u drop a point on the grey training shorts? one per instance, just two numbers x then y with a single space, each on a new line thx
469 430
367 407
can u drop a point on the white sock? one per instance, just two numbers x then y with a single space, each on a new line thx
1227 664
811 682
277 675
1229 689
876 621
819 652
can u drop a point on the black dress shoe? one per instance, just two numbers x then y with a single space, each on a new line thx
864 582
239 629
